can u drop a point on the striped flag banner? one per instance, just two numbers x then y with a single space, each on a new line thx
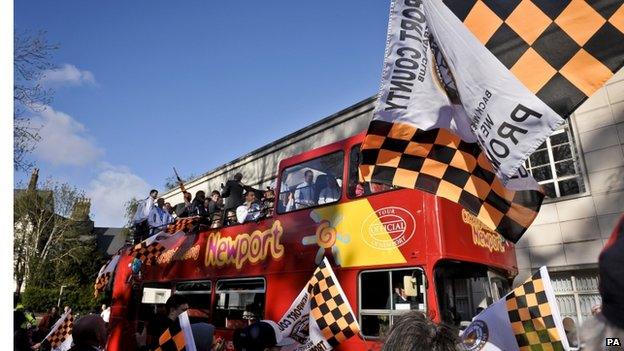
526 319
178 337
60 336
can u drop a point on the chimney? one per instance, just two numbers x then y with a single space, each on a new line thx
81 210
32 184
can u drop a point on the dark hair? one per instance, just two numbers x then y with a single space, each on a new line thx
175 301
153 191
413 331
308 171
200 193
238 176
215 192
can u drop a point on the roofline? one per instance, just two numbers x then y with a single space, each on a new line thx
281 140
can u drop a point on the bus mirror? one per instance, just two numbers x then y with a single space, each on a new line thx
409 285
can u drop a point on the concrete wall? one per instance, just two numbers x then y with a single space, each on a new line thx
569 233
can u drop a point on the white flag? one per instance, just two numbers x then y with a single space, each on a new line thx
508 120
60 335
525 319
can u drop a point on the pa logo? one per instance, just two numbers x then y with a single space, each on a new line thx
613 342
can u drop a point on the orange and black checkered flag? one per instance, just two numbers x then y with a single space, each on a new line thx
178 337
105 275
329 306
185 224
60 336
151 248
561 50
526 319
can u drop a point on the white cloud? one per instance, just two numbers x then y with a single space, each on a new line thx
64 141
110 190
67 75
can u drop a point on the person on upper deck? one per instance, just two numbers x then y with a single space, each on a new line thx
304 194
233 192
252 206
330 192
185 209
158 218
216 203
198 204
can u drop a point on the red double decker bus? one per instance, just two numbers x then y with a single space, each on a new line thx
393 250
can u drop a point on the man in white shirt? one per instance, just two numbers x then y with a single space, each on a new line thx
141 227
304 194
158 217
105 313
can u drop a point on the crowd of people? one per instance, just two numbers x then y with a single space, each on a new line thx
235 203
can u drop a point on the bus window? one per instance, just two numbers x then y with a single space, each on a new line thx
198 294
464 290
239 302
357 188
385 294
311 183
153 300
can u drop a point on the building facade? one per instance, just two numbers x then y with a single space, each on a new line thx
581 168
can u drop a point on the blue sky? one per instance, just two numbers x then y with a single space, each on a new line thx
142 86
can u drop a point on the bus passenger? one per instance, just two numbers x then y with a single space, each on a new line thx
233 192
184 209
330 192
198 204
304 194
158 218
252 207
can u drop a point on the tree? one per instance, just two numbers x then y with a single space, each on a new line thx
32 57
171 182
52 233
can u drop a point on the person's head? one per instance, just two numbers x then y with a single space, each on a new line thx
206 202
168 208
89 330
187 196
215 195
414 331
66 309
160 202
53 310
238 177
103 307
176 305
201 195
250 196
153 194
309 176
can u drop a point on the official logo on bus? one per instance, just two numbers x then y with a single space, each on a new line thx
475 336
388 228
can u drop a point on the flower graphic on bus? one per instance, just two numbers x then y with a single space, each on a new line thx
326 236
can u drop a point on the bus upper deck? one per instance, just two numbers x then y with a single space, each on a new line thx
393 250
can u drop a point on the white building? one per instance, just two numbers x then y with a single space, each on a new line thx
581 167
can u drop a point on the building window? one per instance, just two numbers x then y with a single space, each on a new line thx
198 295
312 183
555 164
385 294
576 293
239 302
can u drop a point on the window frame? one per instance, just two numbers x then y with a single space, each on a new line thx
193 292
217 292
576 153
281 176
384 312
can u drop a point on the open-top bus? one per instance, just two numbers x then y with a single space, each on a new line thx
393 250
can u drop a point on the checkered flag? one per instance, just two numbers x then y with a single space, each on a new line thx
562 51
526 319
151 248
185 224
329 306
60 336
178 337
105 275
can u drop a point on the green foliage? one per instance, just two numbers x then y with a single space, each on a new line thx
79 298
